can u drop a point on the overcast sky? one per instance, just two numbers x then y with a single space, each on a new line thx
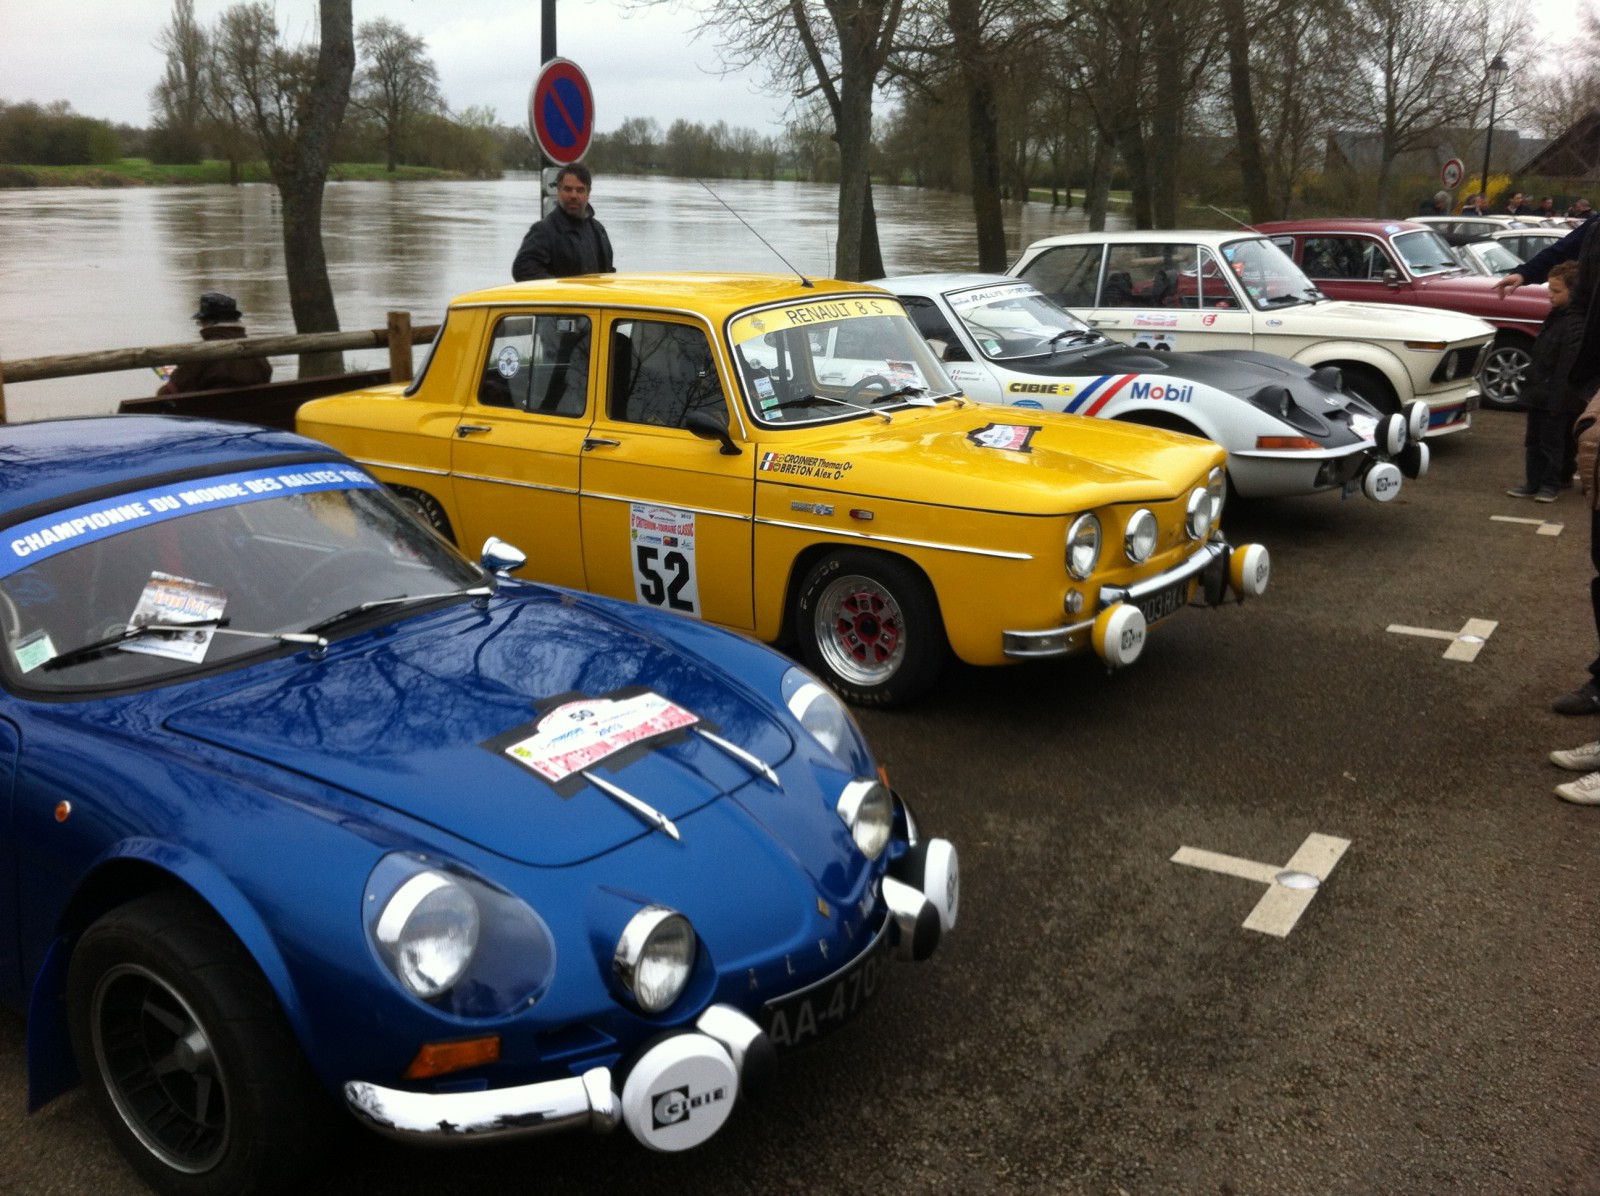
100 56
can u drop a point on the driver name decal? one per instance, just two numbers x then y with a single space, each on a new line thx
803 466
1013 438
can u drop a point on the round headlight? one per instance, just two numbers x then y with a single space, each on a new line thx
1198 520
868 810
1139 541
1217 488
428 932
654 957
1083 546
822 714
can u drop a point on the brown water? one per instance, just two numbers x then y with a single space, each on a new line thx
84 269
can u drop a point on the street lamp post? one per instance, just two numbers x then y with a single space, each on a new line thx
1498 70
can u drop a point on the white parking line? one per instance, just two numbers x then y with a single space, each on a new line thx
1464 644
1289 888
1547 527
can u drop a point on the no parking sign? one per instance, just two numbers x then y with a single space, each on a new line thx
561 111
1452 172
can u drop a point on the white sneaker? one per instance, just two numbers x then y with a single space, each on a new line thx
1585 791
1579 759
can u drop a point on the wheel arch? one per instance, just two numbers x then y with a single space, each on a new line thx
138 868
1165 420
1380 370
418 500
804 560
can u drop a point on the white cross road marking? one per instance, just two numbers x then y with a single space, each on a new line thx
1547 527
1464 644
1280 908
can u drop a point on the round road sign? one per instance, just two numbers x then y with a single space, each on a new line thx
1452 172
561 111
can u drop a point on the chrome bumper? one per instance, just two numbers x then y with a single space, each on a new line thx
1059 641
447 1118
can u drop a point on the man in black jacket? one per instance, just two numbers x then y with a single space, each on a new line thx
569 240
219 319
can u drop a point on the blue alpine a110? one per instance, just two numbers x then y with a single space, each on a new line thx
304 810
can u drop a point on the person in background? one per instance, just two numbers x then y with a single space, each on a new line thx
1552 401
1514 205
1580 210
569 240
1438 205
1476 205
219 319
1585 791
1546 208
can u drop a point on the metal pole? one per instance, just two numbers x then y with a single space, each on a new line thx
547 51
1488 142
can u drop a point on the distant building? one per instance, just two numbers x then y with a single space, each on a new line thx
1575 154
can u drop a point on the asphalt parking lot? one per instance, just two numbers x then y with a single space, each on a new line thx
1102 1021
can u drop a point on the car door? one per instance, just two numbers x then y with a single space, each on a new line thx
666 515
1170 295
515 459
1353 267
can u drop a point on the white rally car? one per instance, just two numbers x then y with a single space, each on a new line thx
1189 289
1288 429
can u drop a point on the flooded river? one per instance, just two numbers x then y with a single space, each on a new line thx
85 269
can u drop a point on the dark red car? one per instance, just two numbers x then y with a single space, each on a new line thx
1398 261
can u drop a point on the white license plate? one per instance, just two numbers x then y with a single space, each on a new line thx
805 1016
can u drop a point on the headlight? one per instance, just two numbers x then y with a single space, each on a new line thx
1217 488
868 810
825 718
1083 546
427 933
654 957
1139 541
1197 522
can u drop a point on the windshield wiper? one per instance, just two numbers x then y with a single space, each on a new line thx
361 608
138 631
1073 335
808 400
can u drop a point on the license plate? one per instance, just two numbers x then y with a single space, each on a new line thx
1164 602
805 1016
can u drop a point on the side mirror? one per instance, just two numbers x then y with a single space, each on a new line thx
708 427
1391 278
501 558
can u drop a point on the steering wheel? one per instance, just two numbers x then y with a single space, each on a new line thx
851 395
333 574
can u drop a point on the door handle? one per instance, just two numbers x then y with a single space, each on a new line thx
469 429
594 442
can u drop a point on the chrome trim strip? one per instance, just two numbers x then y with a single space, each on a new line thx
643 809
756 765
1024 645
478 477
661 502
438 473
835 531
452 1118
1208 553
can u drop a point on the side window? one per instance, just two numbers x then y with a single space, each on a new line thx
538 363
935 329
1214 289
1069 274
661 373
1151 274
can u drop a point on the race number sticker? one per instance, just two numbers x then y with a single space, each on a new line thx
662 544
586 732
1014 438
169 599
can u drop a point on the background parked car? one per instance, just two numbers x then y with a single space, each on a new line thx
1409 262
1191 290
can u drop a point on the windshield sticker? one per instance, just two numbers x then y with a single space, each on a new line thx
1157 320
821 311
764 387
989 294
1014 438
662 548
579 733
33 650
803 466
508 362
50 535
169 599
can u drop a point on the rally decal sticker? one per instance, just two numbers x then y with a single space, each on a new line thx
1148 320
1098 393
169 599
662 549
55 533
802 466
804 315
574 733
1015 438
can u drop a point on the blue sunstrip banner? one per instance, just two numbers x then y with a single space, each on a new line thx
44 537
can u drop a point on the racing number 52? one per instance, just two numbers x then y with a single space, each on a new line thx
652 588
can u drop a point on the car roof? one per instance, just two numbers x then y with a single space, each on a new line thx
1160 236
928 284
1341 224
715 296
46 460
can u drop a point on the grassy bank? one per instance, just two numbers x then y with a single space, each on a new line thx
141 172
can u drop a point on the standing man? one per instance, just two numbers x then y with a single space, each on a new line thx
569 240
1476 205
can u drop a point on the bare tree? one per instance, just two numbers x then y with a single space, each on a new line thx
178 100
396 84
294 98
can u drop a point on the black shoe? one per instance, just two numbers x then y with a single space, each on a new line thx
1583 700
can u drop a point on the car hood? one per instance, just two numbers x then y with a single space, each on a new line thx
1374 321
417 716
1230 370
1476 294
978 457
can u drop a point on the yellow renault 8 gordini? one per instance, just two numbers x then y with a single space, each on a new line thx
788 457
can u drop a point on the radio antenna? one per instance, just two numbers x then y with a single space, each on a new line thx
804 281
1233 218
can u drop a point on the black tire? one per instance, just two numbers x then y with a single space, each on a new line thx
1366 383
869 626
186 1056
1505 371
426 508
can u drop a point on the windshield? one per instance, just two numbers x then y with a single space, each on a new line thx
1425 252
1012 320
1269 277
833 359
1491 257
265 551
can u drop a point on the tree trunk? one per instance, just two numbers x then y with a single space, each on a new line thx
1097 193
983 134
1246 126
855 142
